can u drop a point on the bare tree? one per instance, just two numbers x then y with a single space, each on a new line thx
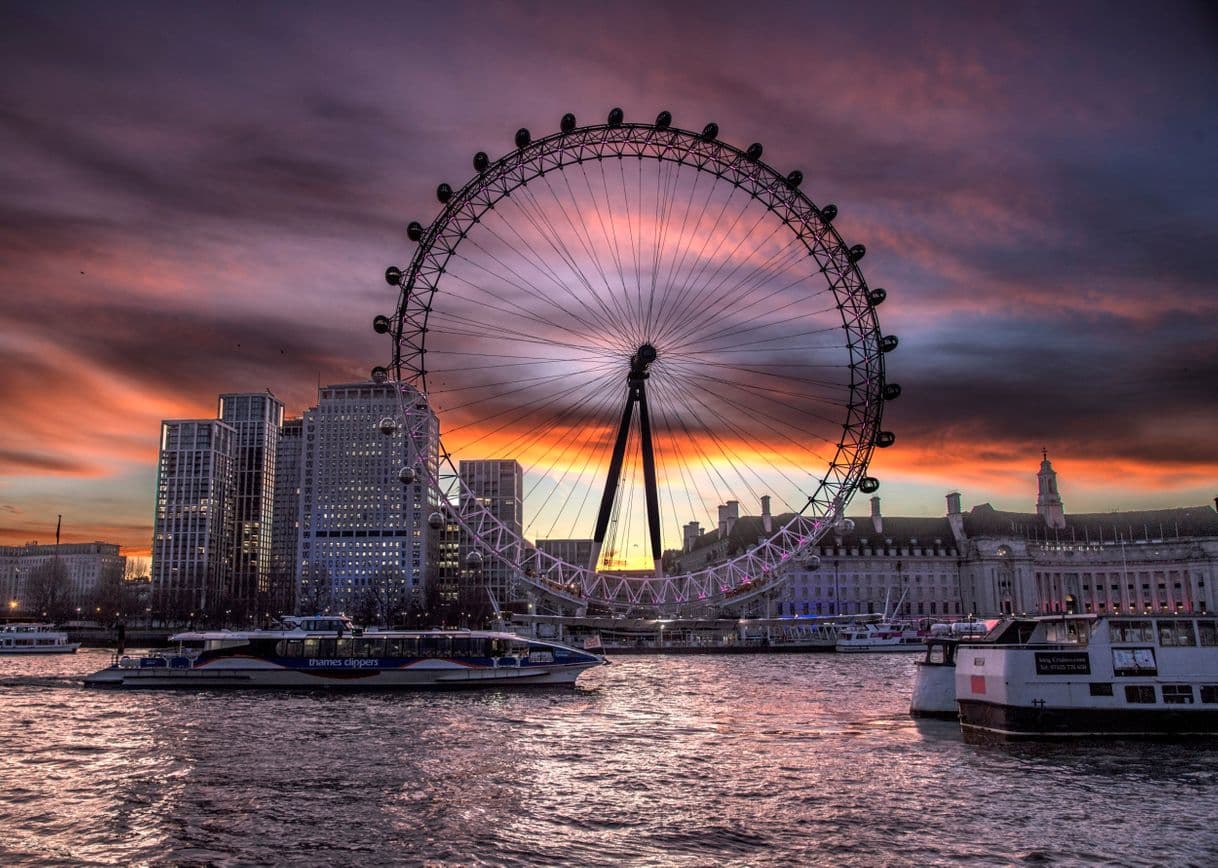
47 590
316 594
137 568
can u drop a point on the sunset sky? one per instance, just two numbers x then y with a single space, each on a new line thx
203 198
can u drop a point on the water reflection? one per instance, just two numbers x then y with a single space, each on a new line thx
686 760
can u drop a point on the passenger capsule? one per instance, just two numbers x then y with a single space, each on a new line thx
615 117
387 425
474 558
567 123
876 297
393 275
379 374
844 526
414 231
710 132
406 475
855 253
380 324
435 521
444 193
869 484
754 152
884 439
891 392
795 178
828 213
888 343
481 161
812 564
664 120
522 137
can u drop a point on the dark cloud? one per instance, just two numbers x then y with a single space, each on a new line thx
201 199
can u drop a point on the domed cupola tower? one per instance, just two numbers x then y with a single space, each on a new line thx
1048 499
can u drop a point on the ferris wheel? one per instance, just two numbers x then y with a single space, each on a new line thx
665 332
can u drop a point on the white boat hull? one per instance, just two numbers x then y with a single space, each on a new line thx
934 693
237 672
68 648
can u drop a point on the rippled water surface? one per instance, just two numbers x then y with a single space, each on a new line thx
766 759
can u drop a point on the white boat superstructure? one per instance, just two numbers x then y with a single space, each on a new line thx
35 639
934 691
330 651
880 638
1091 675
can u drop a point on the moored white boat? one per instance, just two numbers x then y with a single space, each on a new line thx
35 639
1091 676
879 638
330 651
934 692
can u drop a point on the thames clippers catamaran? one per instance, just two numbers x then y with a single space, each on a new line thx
329 651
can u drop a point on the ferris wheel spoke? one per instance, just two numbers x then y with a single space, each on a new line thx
584 236
747 297
691 282
528 202
780 427
684 278
718 283
588 322
494 299
521 411
714 458
545 228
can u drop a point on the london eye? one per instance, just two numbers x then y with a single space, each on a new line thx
655 324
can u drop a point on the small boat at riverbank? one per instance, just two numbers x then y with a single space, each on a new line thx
1087 676
332 652
934 692
35 639
879 638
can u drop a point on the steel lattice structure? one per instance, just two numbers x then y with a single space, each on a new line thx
809 226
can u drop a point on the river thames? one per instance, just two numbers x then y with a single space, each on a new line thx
748 760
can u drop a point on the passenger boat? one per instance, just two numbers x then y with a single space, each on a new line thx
35 639
876 638
934 692
330 651
1069 676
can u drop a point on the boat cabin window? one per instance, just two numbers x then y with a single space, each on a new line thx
1140 693
1178 694
1124 630
1015 633
1101 688
1176 634
1074 631
1209 693
1208 632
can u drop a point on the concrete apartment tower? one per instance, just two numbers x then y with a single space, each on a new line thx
498 485
285 520
193 523
364 534
256 418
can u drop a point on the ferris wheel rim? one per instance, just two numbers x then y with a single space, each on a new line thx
761 565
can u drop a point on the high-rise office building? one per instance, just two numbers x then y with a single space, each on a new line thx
498 486
364 533
285 520
256 419
192 526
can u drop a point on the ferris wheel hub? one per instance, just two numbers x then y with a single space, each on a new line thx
642 359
